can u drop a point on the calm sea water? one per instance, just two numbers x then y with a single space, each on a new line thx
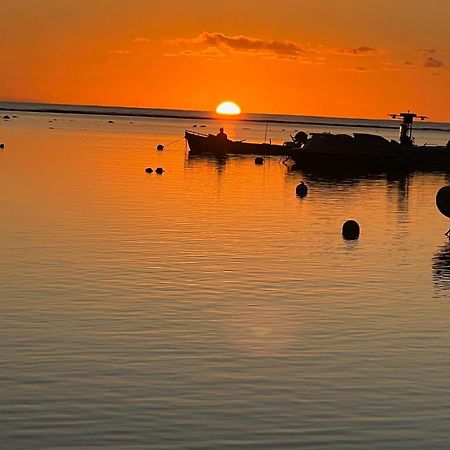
209 307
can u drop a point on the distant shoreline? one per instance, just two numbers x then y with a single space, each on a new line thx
192 115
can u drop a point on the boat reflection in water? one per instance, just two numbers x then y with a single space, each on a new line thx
441 267
218 163
349 175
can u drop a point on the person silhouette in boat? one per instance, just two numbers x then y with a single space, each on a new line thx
222 135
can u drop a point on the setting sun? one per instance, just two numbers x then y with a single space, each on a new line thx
228 108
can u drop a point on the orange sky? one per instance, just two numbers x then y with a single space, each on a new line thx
349 58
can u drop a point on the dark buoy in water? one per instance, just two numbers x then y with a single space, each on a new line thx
110 121
443 201
160 147
159 170
259 160
149 170
301 190
350 230
2 146
6 117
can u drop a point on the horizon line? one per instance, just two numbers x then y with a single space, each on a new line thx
26 106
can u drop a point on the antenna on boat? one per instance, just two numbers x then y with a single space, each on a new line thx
265 134
406 126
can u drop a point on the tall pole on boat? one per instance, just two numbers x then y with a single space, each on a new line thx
265 134
406 127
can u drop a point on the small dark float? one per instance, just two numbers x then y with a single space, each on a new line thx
301 190
443 201
350 229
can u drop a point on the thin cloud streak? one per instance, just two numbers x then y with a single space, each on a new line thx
210 52
120 52
432 62
359 69
244 44
358 51
426 51
280 49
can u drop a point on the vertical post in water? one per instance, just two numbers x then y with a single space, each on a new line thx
265 134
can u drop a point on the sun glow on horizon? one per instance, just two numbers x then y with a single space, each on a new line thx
229 108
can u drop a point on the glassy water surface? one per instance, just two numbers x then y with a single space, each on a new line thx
209 307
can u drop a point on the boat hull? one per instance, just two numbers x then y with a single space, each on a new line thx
349 161
368 152
214 145
431 157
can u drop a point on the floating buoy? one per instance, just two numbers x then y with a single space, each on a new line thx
301 190
2 146
443 201
6 117
259 160
159 170
149 170
350 230
110 121
194 126
160 147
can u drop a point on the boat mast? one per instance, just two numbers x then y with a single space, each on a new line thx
406 126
